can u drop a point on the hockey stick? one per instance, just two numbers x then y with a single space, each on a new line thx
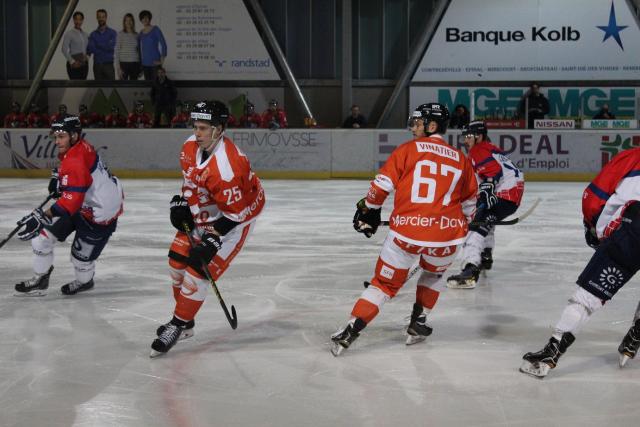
15 230
503 222
233 318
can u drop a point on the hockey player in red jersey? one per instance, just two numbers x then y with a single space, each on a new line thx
89 202
36 119
139 118
250 119
220 201
500 191
61 114
273 118
90 119
435 197
611 217
115 119
15 119
181 120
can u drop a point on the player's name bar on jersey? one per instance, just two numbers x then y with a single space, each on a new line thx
504 124
609 124
554 124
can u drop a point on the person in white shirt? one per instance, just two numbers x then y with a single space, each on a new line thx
74 49
127 53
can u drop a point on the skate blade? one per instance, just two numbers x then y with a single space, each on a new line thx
39 293
414 339
538 371
454 284
155 354
624 358
336 349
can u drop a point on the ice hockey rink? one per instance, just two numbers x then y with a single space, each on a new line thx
84 360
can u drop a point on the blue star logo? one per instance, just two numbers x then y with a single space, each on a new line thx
612 30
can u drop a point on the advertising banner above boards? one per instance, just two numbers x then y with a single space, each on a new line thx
533 40
501 103
212 39
609 124
554 124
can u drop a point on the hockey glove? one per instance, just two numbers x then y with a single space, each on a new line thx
590 236
486 196
180 213
204 251
54 185
366 220
33 224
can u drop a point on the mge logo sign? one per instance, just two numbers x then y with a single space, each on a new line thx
541 34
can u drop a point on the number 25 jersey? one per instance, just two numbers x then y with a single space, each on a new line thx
435 192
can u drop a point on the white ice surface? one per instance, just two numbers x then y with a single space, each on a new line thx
83 360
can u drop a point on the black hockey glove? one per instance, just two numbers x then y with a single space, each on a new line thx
204 251
590 236
180 213
486 196
34 222
366 220
54 185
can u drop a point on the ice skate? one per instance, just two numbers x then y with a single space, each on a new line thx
74 287
342 339
187 332
35 287
467 279
418 330
167 339
486 259
630 344
539 364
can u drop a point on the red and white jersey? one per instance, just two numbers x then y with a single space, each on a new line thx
608 195
435 192
87 186
221 184
490 161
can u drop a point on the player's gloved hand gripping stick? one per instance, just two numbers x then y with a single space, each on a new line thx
21 223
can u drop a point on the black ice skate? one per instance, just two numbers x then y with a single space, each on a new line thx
187 332
35 287
418 330
540 363
467 279
630 344
342 339
486 259
74 287
167 339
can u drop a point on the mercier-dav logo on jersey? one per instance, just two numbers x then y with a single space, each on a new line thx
610 147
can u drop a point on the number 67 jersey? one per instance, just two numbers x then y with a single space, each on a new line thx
435 192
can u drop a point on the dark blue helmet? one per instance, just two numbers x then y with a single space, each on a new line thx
69 124
431 112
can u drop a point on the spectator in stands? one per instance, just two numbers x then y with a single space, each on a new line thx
250 119
181 120
273 118
139 118
61 114
115 119
74 49
36 119
604 113
15 119
127 54
102 44
534 104
163 97
460 117
356 120
153 48
90 119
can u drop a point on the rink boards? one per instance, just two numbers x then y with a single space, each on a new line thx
315 153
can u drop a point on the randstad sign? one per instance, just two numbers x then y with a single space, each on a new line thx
502 102
520 40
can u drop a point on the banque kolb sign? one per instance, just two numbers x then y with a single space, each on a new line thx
497 40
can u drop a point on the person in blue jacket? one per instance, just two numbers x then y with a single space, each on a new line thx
153 47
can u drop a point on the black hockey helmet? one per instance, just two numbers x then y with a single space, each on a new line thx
213 112
431 112
69 124
138 107
15 107
62 109
477 127
83 108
